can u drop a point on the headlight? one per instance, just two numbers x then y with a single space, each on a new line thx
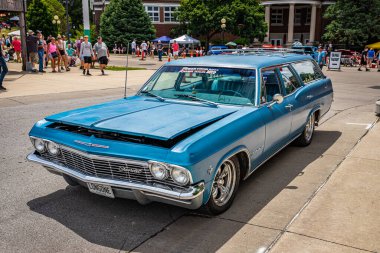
158 170
39 144
52 148
180 175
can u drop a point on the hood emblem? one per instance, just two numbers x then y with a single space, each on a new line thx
89 144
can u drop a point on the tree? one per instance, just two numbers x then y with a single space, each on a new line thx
56 8
39 18
353 22
244 18
125 20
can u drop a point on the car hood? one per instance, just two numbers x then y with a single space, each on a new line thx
144 117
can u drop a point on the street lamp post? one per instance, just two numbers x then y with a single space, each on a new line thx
223 26
57 22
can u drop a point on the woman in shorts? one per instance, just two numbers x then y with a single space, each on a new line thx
86 53
53 53
62 51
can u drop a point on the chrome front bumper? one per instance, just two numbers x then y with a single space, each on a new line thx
192 198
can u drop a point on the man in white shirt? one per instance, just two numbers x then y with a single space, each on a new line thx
133 45
144 47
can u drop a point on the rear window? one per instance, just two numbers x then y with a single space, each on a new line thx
308 71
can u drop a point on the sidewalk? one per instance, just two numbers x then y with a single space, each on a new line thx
25 84
344 216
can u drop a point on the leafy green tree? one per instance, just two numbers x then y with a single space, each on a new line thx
39 18
125 20
244 18
56 8
353 22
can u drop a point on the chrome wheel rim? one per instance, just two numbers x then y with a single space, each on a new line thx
224 183
309 129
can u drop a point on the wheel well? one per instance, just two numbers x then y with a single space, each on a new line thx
317 114
243 162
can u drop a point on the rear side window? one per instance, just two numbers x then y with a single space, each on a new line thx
308 71
291 82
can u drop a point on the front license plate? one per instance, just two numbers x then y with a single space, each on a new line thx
101 189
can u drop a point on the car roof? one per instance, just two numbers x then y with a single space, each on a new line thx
239 61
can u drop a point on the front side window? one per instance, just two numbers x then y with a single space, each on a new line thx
276 16
169 13
153 12
308 71
291 82
218 85
270 85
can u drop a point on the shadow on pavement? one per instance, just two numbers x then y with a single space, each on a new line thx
124 224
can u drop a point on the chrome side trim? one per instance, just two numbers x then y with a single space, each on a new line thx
248 174
191 193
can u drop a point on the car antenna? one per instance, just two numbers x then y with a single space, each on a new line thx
126 72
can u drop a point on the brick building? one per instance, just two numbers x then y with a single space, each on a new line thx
160 12
295 20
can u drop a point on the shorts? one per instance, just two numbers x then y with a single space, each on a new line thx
133 50
62 52
87 59
103 60
370 59
54 55
33 57
175 53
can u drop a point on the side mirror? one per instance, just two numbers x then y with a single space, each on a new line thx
278 98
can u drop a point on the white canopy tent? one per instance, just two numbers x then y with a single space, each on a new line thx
14 33
185 39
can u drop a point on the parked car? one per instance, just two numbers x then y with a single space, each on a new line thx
195 129
215 50
349 58
309 50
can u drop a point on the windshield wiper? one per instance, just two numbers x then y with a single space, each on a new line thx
153 95
194 98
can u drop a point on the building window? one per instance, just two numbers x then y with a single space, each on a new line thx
277 16
169 13
297 16
153 12
308 16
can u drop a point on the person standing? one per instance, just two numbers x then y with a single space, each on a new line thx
160 48
78 45
378 60
133 45
175 48
86 53
144 48
3 65
321 57
53 53
363 60
17 47
62 59
102 54
41 52
31 46
370 57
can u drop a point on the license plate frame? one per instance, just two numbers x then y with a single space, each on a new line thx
101 189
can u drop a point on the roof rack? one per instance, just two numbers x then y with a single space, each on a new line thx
262 51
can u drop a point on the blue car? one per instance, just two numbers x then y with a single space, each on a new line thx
215 50
196 128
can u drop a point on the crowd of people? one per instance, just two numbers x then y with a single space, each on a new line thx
368 56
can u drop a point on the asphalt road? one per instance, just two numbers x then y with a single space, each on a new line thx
39 212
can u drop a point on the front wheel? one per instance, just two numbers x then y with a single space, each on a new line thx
224 186
307 135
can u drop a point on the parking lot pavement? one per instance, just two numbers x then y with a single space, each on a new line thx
322 198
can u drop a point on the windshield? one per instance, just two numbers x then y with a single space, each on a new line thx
217 85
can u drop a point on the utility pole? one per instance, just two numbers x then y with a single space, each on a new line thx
22 21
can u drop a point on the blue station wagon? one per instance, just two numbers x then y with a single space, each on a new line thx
195 129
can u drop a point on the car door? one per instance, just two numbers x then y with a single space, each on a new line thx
278 115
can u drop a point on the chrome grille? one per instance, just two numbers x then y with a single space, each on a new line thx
106 167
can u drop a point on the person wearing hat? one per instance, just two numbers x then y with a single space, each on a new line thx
102 54
31 47
41 52
321 57
87 54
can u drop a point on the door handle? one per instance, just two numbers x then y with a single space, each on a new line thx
309 97
289 106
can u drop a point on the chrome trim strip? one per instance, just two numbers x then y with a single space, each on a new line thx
192 193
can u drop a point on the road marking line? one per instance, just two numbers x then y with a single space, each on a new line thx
368 126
